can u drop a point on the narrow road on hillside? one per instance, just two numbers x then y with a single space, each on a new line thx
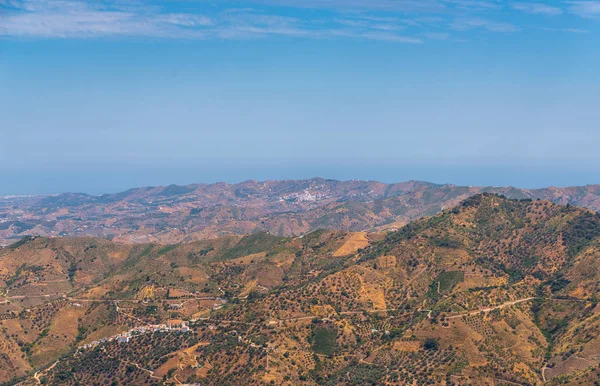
36 375
416 276
62 295
150 372
486 310
544 372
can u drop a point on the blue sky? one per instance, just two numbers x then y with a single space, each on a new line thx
105 95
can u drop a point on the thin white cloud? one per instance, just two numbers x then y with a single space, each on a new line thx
437 35
570 30
402 21
383 36
74 19
376 35
537 9
478 5
250 32
588 9
183 19
426 6
371 23
467 24
423 21
387 5
80 19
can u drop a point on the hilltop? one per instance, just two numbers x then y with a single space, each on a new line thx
491 291
175 214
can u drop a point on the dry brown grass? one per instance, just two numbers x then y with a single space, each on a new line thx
62 333
478 280
148 292
353 243
249 259
409 346
178 293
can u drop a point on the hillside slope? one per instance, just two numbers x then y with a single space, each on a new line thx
491 292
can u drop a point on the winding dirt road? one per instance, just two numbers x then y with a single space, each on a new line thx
486 310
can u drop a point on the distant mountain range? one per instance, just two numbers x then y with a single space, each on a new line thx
173 214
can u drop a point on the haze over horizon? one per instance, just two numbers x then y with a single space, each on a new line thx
103 182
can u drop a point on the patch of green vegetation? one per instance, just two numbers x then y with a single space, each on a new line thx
254 243
21 227
432 293
11 280
81 333
137 254
431 344
22 242
146 251
530 261
176 190
324 340
358 375
557 283
151 310
196 211
536 309
449 280
385 246
459 365
313 237
446 242
196 257
166 249
35 268
44 333
72 270
475 201
581 232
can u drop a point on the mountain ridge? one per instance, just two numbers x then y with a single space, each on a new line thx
179 213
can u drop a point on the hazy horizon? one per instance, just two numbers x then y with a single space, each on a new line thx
97 182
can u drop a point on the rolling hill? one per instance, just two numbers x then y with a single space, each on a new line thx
492 291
